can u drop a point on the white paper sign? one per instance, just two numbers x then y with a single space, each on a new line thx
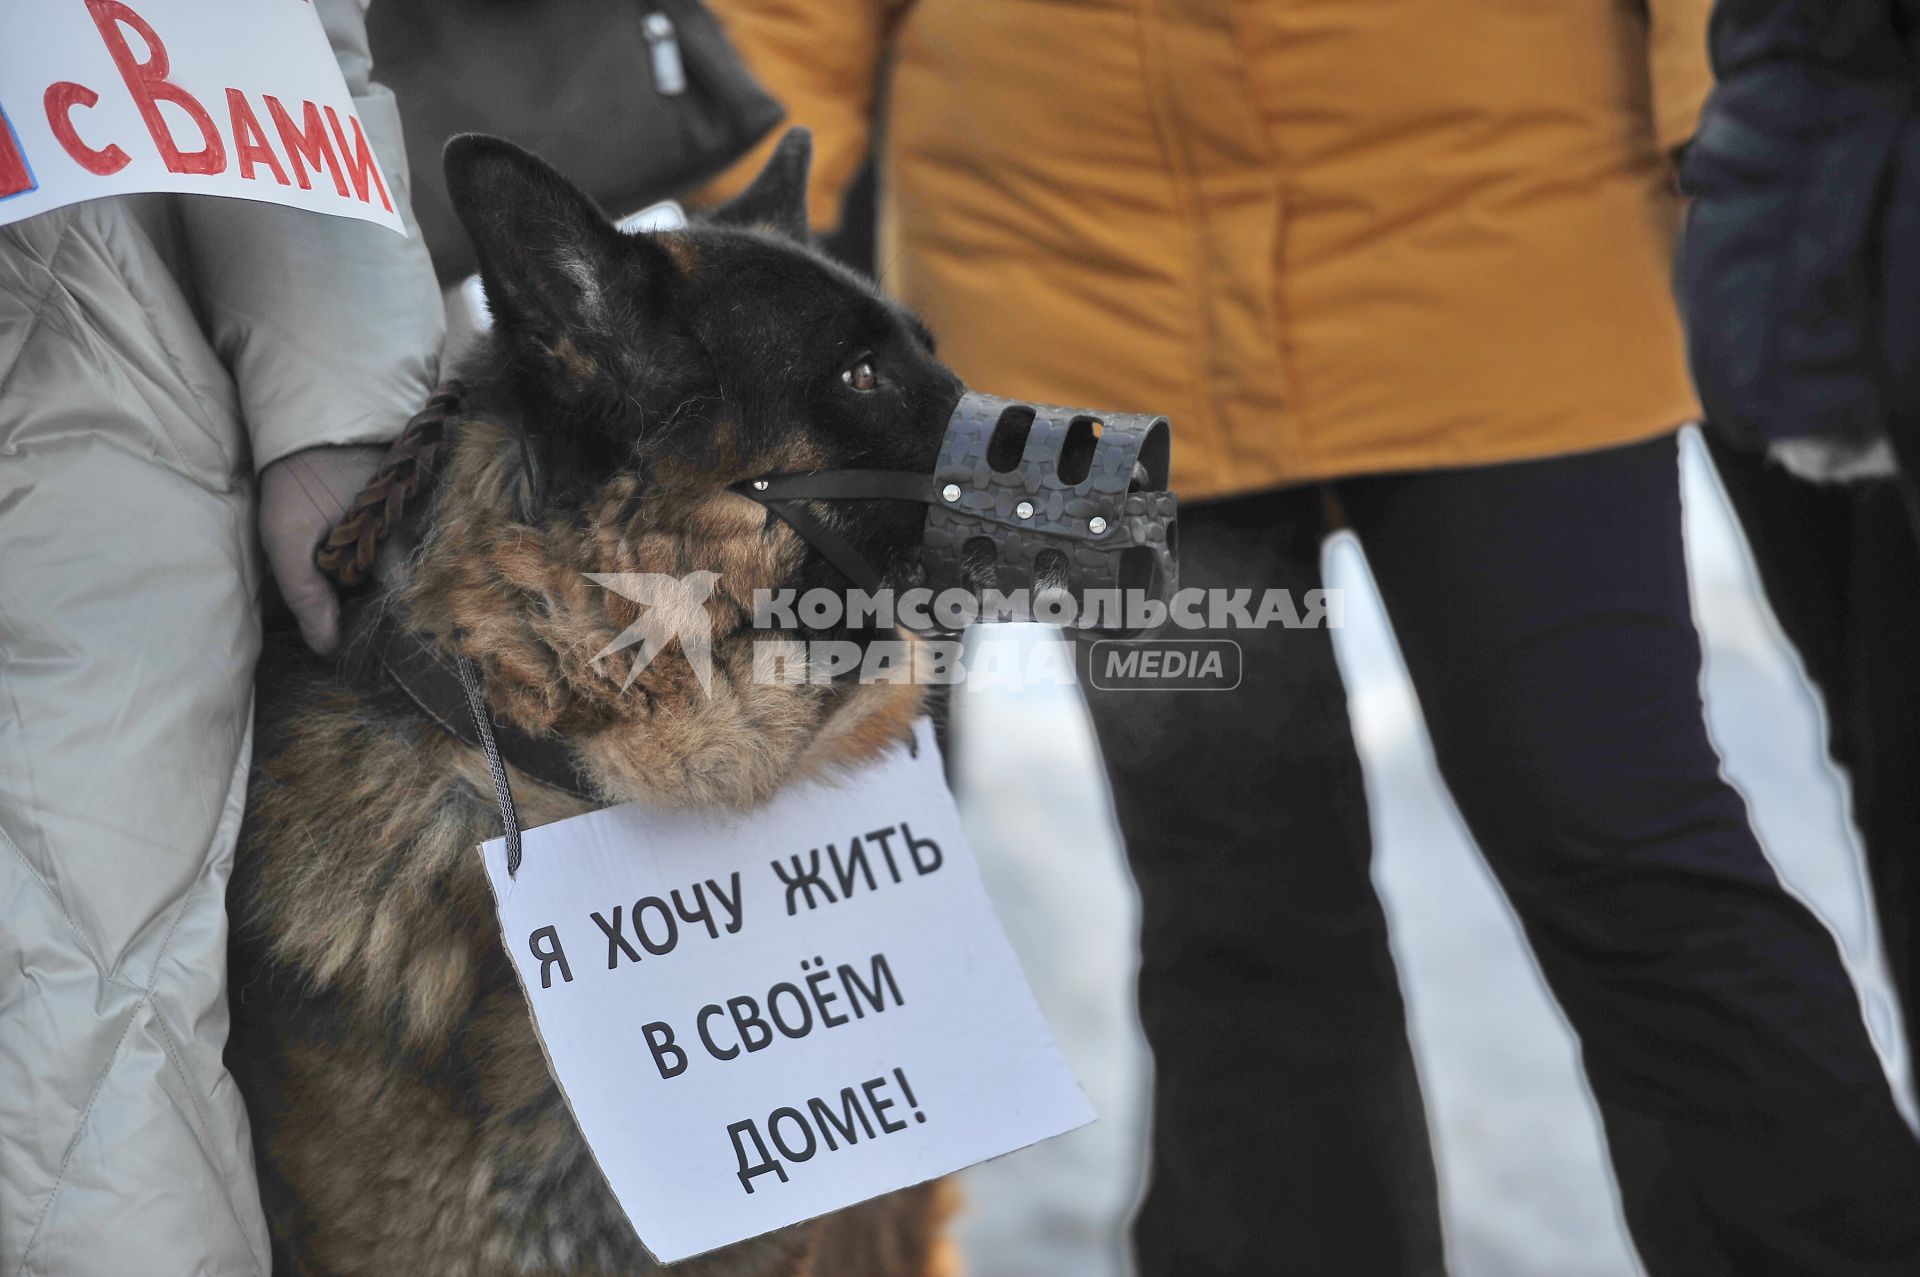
213 97
760 1019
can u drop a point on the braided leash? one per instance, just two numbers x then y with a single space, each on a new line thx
348 552
347 556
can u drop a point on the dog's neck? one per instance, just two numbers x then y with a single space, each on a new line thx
515 596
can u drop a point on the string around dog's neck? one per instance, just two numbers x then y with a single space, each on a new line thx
452 694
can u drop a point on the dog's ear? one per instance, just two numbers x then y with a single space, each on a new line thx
778 197
551 262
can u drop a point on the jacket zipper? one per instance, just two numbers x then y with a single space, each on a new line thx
663 43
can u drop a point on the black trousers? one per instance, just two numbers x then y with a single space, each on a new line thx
1543 613
1841 568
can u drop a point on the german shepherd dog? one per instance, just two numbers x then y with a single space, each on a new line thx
404 1118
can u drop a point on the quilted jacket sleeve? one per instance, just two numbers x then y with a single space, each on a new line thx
330 326
823 62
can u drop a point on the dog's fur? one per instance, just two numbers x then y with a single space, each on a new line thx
404 1116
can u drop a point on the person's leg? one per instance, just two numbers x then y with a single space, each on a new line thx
1883 709
1841 570
1288 1133
1543 611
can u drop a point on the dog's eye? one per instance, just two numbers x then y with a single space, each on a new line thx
861 376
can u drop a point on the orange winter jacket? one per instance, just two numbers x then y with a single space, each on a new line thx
1327 237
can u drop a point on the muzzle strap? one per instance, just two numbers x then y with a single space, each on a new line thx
845 485
818 533
783 494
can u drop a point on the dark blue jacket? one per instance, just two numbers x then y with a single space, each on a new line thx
1800 270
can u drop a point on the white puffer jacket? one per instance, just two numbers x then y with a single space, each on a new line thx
155 353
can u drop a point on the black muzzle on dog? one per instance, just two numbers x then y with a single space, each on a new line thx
1026 501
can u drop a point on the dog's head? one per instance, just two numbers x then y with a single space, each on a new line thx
730 345
629 380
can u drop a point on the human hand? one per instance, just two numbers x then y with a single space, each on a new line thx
302 495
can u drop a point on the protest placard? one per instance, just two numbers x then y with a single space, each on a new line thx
757 1019
240 98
